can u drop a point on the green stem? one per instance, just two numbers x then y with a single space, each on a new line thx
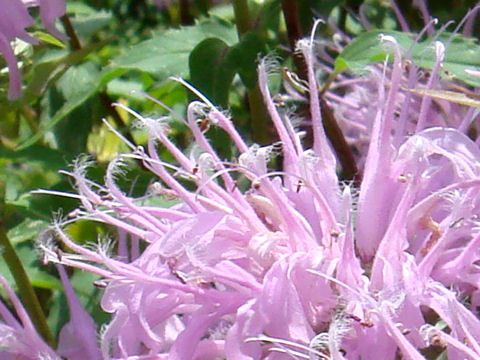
242 16
69 29
261 131
25 289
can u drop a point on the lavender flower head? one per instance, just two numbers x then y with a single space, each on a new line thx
14 19
299 265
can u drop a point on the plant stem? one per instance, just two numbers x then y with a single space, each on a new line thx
332 129
242 16
257 108
294 32
185 17
25 289
339 143
67 25
261 132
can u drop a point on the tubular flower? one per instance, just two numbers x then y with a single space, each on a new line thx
18 337
350 97
259 264
356 112
20 341
14 19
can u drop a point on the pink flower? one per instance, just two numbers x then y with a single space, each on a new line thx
253 263
19 340
18 337
14 19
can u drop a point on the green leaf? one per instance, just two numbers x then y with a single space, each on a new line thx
48 158
76 7
38 275
246 54
461 53
46 37
87 25
29 169
77 81
167 52
125 88
212 70
456 97
26 230
51 67
76 86
366 49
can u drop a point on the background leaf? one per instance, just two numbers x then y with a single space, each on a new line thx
461 53
167 52
75 86
212 69
246 53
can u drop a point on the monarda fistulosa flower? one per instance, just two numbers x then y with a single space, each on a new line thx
14 20
254 263
351 96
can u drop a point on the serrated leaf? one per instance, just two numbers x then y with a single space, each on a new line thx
461 53
77 81
167 52
87 25
212 69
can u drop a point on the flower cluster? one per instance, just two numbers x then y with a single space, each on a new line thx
298 265
14 19
254 263
351 96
